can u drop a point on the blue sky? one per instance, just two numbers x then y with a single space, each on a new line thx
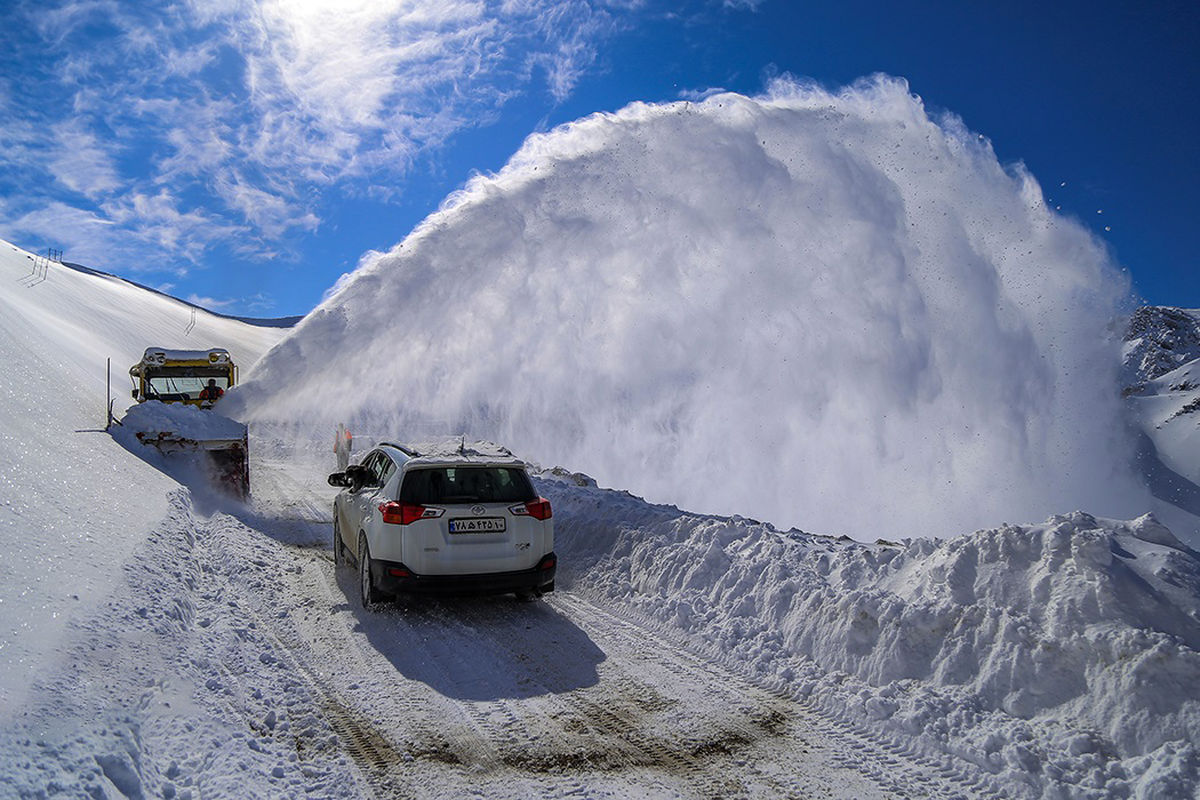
243 155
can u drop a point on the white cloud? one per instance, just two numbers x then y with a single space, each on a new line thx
339 88
82 163
258 303
56 22
136 232
263 210
210 303
157 220
197 150
81 233
575 51
258 109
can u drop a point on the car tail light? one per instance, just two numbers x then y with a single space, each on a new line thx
548 562
405 513
399 572
538 509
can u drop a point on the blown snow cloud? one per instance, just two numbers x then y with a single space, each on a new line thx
828 310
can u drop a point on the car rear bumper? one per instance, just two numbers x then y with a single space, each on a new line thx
394 577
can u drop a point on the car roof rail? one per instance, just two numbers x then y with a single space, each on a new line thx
408 451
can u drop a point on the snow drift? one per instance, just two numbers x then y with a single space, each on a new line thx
1062 658
821 309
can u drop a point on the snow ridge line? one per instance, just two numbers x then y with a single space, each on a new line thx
836 726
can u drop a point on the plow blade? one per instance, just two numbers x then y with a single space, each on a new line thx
227 459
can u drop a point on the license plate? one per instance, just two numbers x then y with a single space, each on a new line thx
478 525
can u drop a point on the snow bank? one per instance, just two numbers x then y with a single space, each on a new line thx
179 419
819 309
170 688
1064 655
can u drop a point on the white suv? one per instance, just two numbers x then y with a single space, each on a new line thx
459 521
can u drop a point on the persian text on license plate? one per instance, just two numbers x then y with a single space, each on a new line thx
479 525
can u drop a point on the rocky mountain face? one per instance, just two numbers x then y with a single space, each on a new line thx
1158 340
1161 375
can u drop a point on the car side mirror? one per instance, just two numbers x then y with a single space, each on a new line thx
339 479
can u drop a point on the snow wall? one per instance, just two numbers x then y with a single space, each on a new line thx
827 310
1061 658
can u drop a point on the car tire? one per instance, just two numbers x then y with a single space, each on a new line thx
369 594
339 547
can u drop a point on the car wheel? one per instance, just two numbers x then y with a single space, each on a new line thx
370 595
339 547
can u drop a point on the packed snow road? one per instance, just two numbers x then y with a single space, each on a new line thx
557 699
494 698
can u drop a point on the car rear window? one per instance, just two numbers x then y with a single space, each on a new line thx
444 485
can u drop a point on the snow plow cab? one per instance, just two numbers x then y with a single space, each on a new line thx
182 421
180 376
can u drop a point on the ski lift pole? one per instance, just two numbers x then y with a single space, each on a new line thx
108 392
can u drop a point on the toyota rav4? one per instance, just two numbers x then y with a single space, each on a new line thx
458 521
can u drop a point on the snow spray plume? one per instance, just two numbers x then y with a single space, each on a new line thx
826 310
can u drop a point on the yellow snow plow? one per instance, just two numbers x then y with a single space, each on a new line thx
195 377
176 390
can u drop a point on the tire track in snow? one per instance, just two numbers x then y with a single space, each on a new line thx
623 725
793 741
893 767
262 627
407 714
433 734
282 497
545 737
627 723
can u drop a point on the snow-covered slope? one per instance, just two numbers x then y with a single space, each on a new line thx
821 310
1162 380
1170 409
73 503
